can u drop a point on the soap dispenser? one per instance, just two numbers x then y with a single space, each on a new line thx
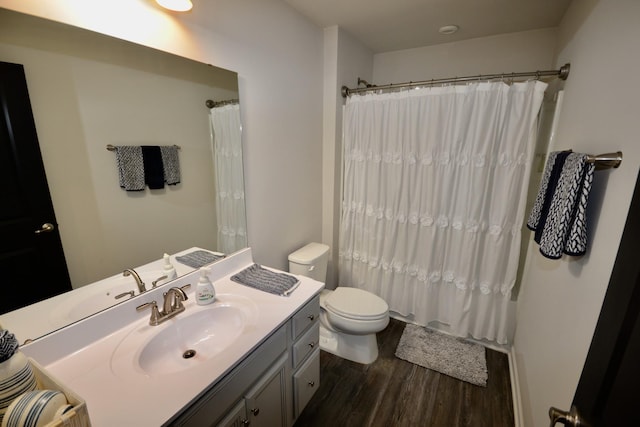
205 292
168 269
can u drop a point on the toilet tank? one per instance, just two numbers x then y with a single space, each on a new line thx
311 261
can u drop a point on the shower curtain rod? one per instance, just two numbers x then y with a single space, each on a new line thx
213 104
562 73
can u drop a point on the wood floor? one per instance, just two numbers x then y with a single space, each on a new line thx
393 392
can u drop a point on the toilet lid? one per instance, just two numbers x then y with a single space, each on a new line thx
356 304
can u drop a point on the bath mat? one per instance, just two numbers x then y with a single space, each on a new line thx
449 355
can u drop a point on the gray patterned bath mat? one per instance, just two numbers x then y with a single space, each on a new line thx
449 355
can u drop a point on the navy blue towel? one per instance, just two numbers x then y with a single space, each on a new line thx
153 167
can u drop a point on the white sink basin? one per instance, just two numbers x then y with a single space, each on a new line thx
195 336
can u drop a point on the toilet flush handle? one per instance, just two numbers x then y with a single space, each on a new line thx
313 267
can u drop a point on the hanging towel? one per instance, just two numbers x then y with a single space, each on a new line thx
565 229
153 168
548 184
171 164
130 167
260 278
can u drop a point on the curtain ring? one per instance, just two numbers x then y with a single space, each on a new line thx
537 75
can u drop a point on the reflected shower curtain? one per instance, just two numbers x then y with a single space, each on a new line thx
435 184
230 206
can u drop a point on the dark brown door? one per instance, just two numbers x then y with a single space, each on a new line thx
32 263
608 390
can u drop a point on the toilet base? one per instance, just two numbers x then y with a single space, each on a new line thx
357 348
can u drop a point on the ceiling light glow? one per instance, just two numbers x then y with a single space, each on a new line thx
176 5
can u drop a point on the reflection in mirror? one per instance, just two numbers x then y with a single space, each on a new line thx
88 91
226 128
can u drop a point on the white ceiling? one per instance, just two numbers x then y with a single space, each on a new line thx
387 25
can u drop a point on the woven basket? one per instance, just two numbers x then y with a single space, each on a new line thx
78 416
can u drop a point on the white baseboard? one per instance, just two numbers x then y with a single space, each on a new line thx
515 389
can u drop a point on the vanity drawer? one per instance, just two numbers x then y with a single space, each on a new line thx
305 345
306 381
305 317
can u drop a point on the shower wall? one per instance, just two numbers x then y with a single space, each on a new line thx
548 120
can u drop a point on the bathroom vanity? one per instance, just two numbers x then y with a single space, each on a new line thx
261 367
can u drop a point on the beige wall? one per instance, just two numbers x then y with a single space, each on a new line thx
523 51
278 57
560 300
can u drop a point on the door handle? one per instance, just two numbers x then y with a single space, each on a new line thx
568 418
47 227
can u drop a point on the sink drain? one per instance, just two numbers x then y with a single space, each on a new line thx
188 354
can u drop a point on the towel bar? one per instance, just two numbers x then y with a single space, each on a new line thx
606 160
113 148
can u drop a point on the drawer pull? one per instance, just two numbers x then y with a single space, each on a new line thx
311 383
311 317
245 422
311 344
255 411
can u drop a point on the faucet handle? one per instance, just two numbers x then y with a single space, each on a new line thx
155 282
124 294
154 320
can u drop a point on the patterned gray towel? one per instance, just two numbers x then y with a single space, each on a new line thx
565 229
130 167
171 164
265 280
543 193
197 259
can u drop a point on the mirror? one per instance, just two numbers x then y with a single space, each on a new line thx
88 91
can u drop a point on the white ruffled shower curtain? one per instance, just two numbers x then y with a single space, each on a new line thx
230 206
435 185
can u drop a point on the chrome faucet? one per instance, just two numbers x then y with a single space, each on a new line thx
139 282
173 301
171 306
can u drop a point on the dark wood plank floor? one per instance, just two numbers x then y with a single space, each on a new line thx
394 392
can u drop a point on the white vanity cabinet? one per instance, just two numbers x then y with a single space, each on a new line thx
271 386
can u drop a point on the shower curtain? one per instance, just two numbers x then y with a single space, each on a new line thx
435 184
230 206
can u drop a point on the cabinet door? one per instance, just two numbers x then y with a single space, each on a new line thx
306 381
266 400
237 417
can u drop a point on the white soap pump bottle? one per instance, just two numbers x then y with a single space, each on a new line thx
205 292
168 269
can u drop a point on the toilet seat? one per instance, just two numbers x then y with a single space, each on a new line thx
356 304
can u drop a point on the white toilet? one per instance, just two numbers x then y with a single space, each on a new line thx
349 317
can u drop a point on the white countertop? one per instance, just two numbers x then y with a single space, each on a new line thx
80 356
